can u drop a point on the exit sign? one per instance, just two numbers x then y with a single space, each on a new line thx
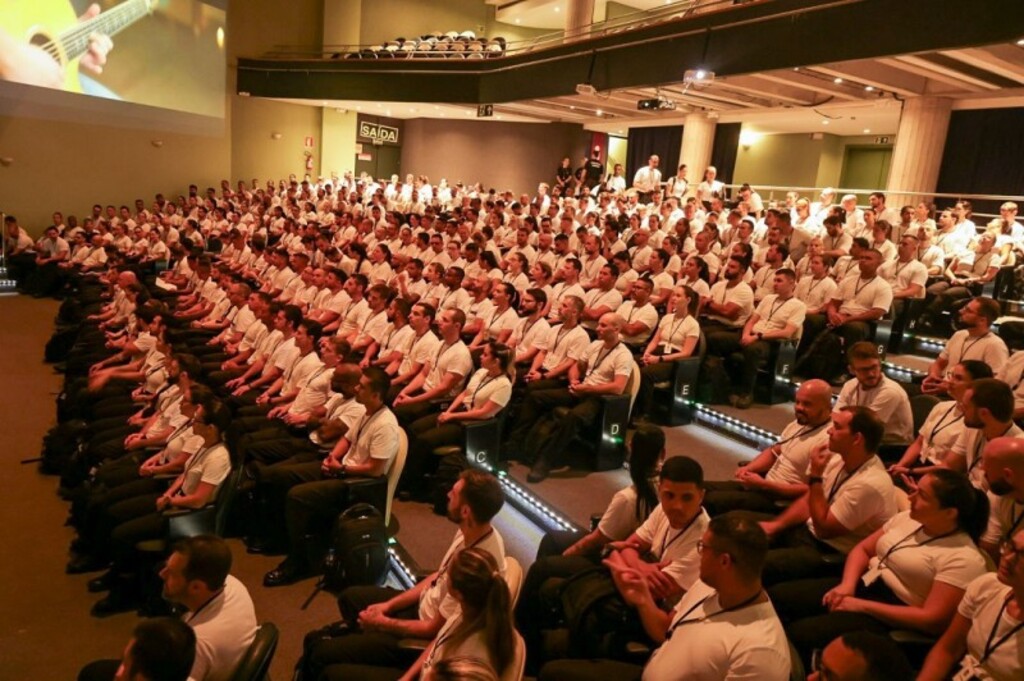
485 111
883 140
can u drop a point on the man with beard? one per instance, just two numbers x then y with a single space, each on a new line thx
779 473
220 610
872 389
1002 462
376 619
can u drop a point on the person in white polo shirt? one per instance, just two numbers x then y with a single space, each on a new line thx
605 369
779 472
975 340
871 388
849 496
779 316
859 301
725 627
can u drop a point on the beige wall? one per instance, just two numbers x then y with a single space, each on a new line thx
254 151
512 156
69 166
790 160
338 146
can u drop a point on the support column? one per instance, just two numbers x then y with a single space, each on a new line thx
579 15
917 154
698 140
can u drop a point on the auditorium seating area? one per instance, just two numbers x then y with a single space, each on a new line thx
450 45
569 336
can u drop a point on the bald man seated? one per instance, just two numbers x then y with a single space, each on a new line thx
778 473
1003 464
604 369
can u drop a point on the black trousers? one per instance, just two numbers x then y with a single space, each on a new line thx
425 435
650 375
534 612
808 623
540 432
722 496
588 670
335 656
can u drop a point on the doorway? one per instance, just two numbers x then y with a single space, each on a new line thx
866 167
385 161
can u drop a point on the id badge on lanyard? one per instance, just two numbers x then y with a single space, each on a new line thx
970 670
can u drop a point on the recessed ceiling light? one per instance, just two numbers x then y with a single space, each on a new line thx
838 81
600 113
412 110
1021 42
498 117
388 112
359 108
867 131
619 131
517 20
869 88
572 108
796 68
824 122
557 8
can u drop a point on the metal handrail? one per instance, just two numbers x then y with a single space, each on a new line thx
895 192
839 191
634 20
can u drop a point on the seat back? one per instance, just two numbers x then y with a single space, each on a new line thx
483 440
396 472
684 385
211 519
633 386
514 579
517 666
255 664
920 407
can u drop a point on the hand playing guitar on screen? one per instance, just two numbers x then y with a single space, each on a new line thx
25 62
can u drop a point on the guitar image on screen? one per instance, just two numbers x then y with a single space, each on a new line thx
54 29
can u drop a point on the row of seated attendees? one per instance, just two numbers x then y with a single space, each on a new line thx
312 333
451 45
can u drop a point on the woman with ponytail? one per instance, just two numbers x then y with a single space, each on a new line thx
910 574
483 627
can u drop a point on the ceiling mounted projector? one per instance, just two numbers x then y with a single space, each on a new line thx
698 77
656 104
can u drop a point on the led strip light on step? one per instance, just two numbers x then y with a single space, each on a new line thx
722 422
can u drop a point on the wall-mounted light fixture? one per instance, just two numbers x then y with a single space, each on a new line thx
749 138
276 135
157 143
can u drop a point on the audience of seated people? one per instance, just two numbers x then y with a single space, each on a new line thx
295 330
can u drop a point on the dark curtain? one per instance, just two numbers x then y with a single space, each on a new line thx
983 156
642 142
723 152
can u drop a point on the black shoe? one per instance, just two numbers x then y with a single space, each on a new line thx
284 574
539 472
117 601
82 564
104 582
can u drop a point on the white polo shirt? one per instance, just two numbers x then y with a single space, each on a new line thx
741 294
562 343
454 358
910 561
675 330
677 545
224 628
604 364
816 292
528 335
890 403
710 644
596 298
940 431
981 606
795 445
900 275
989 348
774 314
861 502
857 295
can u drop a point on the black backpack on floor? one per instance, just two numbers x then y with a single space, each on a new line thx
600 622
358 555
